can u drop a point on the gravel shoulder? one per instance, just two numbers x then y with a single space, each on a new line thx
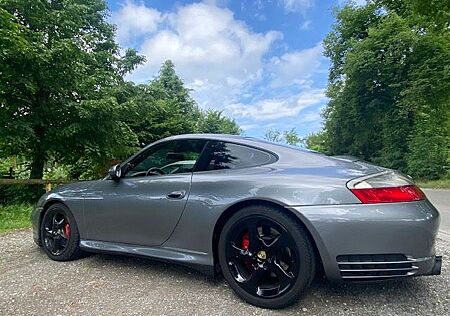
31 284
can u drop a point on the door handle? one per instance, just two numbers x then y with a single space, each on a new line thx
176 194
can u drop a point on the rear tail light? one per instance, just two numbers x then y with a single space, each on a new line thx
385 187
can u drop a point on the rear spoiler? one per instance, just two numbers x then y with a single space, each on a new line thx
347 158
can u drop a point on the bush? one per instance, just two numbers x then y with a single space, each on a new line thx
15 216
20 193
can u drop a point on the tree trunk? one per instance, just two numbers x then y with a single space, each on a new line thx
37 166
38 159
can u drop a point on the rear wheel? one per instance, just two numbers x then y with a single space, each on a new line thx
266 257
59 234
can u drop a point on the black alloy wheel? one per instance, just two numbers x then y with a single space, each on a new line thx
262 256
266 257
59 234
56 233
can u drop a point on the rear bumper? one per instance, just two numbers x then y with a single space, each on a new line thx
379 270
374 241
437 266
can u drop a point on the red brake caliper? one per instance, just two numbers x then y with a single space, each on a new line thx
67 230
245 245
245 241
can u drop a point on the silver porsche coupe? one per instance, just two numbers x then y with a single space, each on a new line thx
267 216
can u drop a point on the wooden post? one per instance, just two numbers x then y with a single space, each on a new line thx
48 187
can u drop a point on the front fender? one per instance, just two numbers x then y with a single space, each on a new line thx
71 196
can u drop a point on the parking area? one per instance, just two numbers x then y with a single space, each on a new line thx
31 284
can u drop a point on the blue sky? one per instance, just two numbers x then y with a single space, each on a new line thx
261 62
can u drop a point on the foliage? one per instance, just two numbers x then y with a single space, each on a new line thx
14 216
159 109
289 137
213 121
164 107
389 86
58 63
443 183
20 193
178 112
65 108
317 142
273 135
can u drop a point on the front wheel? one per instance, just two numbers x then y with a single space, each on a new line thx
59 234
266 257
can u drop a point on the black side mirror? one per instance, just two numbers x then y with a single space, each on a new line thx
115 172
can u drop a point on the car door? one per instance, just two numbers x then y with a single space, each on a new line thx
145 204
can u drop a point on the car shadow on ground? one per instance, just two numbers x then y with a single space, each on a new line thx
400 296
320 287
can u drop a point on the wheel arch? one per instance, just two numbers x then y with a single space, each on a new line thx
45 207
231 210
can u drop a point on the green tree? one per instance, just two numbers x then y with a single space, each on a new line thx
164 107
291 137
273 135
58 64
389 85
213 121
317 142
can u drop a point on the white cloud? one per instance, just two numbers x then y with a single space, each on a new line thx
296 5
277 108
296 67
246 127
135 20
306 25
225 62
357 2
214 53
312 116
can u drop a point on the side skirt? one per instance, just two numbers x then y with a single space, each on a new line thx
199 261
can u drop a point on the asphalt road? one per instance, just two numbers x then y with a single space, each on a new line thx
31 284
441 200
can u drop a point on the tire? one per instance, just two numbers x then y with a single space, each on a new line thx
54 227
273 273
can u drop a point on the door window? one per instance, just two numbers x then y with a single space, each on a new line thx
171 157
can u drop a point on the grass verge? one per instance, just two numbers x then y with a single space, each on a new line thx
14 216
435 184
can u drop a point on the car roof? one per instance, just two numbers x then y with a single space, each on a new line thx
244 140
224 137
286 154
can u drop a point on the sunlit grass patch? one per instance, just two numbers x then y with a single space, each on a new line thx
14 216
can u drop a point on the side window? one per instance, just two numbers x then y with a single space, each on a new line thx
222 155
177 156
